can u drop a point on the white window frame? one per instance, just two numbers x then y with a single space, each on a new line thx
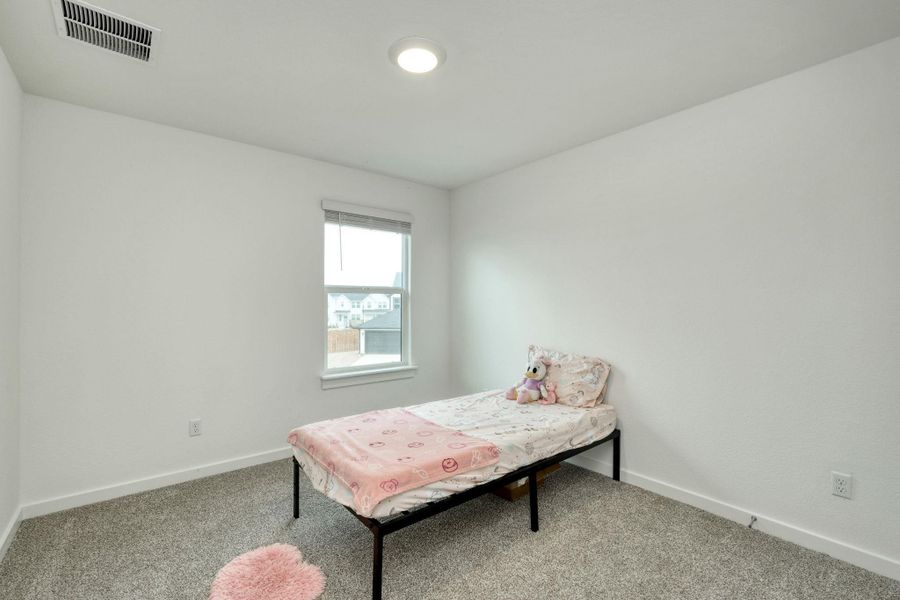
346 376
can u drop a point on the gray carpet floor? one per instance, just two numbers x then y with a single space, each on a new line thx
598 539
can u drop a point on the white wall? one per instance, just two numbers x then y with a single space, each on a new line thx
739 265
168 275
10 136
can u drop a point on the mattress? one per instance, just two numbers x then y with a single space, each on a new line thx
524 433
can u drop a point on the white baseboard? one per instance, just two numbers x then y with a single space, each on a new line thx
9 532
814 541
51 505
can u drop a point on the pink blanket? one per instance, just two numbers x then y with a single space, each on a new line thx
382 453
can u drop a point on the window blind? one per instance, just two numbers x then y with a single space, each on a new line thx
348 219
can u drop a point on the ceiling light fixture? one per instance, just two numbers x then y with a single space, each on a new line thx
417 55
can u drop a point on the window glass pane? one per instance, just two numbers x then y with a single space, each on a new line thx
364 329
363 257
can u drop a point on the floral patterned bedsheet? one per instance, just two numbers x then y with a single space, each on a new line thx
524 433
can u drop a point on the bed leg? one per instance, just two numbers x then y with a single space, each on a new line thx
296 488
532 498
616 453
377 551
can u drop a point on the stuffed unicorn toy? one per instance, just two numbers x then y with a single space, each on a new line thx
532 387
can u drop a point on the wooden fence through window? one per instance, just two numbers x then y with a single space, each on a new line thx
343 340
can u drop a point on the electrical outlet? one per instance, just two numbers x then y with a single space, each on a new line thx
194 427
841 484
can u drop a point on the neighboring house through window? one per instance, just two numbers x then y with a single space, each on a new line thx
366 289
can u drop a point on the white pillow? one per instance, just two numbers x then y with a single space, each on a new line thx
580 380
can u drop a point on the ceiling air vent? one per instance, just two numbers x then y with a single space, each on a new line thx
95 26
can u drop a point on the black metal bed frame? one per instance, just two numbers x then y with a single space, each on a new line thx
382 528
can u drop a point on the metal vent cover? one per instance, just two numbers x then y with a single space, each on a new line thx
101 28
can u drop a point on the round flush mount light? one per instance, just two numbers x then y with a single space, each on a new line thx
417 55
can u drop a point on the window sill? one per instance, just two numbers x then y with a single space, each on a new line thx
337 380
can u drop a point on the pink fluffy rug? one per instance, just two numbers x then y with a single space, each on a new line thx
275 572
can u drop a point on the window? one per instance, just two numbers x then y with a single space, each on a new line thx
367 265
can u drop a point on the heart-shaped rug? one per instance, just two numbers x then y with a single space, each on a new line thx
275 572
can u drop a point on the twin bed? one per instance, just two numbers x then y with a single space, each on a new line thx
502 442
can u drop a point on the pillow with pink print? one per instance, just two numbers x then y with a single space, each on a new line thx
580 380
